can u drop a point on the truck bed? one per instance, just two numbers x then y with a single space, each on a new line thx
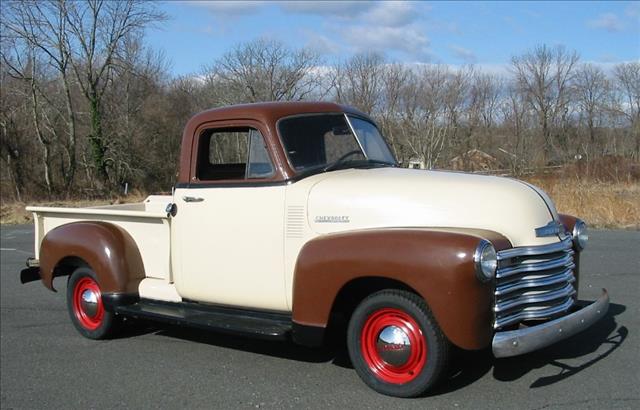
146 222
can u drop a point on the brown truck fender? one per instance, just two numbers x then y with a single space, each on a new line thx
108 249
437 264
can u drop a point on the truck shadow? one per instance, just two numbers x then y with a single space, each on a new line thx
604 338
281 349
466 367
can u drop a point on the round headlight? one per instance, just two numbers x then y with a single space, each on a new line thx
580 234
486 261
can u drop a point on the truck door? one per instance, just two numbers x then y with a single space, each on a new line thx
228 229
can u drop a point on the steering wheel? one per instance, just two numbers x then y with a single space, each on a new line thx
342 158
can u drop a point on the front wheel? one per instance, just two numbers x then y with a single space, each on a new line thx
87 312
395 344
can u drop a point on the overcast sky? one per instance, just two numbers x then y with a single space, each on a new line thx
484 33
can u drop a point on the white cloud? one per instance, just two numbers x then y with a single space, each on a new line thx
322 44
607 21
229 8
633 10
332 8
409 40
384 26
392 14
463 54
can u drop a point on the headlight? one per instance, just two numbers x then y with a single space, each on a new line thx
486 261
580 234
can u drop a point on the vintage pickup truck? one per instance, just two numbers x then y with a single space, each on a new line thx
290 220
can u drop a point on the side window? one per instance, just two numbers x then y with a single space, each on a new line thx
228 154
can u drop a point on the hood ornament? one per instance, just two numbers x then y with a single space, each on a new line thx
551 229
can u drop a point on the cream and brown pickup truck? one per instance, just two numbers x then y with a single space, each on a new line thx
290 220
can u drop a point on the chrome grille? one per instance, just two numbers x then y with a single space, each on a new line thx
534 283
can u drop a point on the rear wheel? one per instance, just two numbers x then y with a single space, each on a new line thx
395 344
87 312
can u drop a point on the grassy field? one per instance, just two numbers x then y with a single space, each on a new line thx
600 204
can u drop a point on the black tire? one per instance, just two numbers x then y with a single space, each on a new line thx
418 368
90 319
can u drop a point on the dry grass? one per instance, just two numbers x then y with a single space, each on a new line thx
600 204
14 212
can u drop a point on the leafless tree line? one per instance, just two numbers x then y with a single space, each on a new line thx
87 107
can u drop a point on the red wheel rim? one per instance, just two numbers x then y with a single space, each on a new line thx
87 287
396 373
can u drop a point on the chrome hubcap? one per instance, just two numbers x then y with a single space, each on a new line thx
89 303
394 346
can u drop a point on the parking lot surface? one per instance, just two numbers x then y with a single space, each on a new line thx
45 363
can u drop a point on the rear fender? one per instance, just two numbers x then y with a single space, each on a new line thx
108 249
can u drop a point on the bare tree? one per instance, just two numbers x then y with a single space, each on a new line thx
95 31
627 78
424 125
11 143
359 81
265 70
119 94
394 79
515 113
592 90
456 98
544 75
42 25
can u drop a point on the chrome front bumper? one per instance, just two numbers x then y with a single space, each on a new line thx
517 342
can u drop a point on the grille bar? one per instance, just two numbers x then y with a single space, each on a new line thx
563 261
526 314
537 297
536 250
534 283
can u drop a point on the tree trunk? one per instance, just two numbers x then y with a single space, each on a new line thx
41 138
96 140
70 173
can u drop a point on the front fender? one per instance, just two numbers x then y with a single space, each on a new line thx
108 249
436 263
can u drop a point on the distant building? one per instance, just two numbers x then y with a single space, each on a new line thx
475 160
416 163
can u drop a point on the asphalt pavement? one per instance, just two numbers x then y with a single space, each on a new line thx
45 363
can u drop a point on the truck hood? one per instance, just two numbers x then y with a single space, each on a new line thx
394 197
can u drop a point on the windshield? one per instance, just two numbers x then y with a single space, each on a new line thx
326 140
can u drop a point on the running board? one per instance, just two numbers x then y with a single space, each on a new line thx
265 325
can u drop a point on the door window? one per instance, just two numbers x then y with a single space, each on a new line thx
233 154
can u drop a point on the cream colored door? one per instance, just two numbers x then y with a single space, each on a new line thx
229 235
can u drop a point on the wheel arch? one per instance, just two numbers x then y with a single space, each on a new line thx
357 289
106 248
67 265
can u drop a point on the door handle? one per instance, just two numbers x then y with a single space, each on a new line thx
192 199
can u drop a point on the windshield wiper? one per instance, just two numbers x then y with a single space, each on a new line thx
361 163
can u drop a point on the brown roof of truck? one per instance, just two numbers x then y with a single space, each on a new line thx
265 114
271 111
